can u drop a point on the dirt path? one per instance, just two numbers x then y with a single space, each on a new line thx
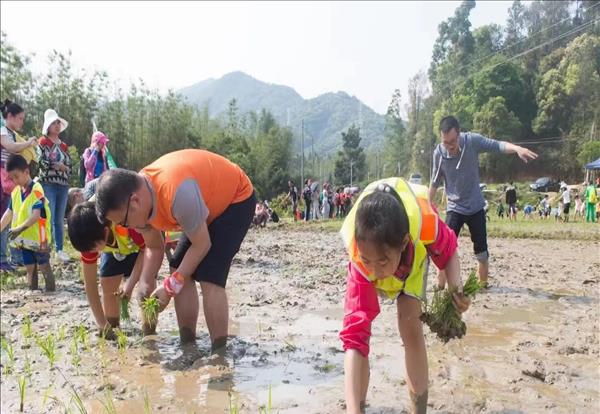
532 341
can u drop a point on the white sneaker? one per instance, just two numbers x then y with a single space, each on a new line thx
64 257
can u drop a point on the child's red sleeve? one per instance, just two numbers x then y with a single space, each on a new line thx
444 246
89 257
361 308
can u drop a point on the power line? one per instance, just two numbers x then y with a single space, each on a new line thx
577 29
531 36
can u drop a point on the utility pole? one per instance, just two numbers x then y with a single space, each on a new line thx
351 165
302 158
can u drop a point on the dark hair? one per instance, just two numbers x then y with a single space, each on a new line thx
85 230
16 162
9 107
448 123
114 189
381 218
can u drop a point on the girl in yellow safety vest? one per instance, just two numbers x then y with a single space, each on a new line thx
29 216
390 234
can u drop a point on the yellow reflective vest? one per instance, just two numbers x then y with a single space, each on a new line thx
36 237
423 231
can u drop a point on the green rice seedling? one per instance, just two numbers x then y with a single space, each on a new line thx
75 398
124 308
27 366
48 347
150 308
26 329
147 405
108 403
61 333
121 340
9 350
267 409
82 336
46 396
21 394
441 315
74 351
233 404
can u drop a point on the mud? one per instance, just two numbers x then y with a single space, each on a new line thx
532 343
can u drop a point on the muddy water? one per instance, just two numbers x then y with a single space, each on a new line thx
531 344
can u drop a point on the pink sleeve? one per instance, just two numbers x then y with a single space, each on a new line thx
361 307
444 246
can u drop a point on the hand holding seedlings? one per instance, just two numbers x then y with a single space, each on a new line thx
442 313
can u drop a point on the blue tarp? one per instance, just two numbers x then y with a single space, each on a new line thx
594 165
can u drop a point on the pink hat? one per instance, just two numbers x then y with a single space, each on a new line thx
99 138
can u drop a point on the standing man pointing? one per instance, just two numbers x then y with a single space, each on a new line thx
456 164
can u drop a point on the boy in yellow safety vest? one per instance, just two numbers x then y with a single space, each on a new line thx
390 234
121 256
29 216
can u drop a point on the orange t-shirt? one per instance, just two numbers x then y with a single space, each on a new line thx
220 181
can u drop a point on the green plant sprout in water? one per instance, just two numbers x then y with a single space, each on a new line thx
62 334
48 347
108 403
26 329
82 336
10 354
147 405
121 340
150 308
27 366
124 308
267 409
21 394
442 317
74 351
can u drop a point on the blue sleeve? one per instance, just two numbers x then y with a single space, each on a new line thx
484 144
38 205
437 174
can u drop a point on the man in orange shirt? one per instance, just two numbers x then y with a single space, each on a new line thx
207 197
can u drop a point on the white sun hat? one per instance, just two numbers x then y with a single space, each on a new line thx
49 117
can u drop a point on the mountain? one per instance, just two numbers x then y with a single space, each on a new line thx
325 116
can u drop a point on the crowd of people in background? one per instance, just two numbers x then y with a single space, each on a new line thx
319 204
576 202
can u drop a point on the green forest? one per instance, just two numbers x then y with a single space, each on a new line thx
534 81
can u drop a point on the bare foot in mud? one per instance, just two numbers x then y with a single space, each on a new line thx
187 336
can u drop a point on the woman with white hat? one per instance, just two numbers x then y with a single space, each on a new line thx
54 170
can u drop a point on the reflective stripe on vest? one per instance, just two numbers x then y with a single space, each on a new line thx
125 245
36 237
422 229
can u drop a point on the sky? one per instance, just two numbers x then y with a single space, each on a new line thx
366 49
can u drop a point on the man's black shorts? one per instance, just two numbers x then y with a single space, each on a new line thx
226 235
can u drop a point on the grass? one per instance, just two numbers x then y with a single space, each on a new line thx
48 347
82 336
267 409
496 227
27 330
27 366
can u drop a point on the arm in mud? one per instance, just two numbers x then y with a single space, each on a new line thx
90 274
356 380
6 219
153 257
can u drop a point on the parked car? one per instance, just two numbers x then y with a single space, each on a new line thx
545 184
415 179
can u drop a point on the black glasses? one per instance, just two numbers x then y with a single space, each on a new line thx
124 223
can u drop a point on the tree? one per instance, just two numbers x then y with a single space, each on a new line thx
396 148
351 154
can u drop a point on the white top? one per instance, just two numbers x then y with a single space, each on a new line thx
566 196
